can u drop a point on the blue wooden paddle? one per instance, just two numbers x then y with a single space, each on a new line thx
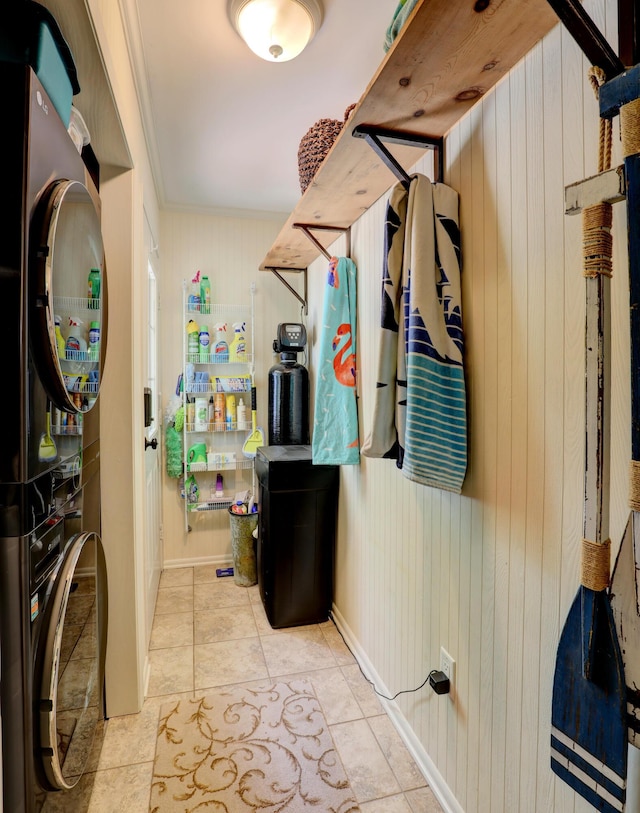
625 580
589 735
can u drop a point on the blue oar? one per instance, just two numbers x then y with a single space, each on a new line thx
622 94
589 736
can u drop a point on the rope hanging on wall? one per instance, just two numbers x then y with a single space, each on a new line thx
630 136
630 132
597 242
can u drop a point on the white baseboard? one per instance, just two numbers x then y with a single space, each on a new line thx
434 778
218 561
146 676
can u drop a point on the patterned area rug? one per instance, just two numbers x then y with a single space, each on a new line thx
266 750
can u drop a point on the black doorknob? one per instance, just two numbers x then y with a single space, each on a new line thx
153 443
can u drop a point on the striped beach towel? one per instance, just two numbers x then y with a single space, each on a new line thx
420 416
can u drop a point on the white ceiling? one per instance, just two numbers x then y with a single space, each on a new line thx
222 125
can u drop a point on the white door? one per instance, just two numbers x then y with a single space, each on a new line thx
152 459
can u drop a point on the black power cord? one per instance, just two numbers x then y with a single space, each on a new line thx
430 678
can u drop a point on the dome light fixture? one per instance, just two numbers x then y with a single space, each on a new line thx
276 30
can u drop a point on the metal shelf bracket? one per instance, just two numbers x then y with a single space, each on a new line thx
307 227
301 299
588 36
374 136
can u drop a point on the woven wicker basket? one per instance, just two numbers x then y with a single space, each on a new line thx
315 144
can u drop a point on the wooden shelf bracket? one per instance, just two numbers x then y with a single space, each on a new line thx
301 299
374 136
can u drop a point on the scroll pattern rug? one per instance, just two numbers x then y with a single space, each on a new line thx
266 750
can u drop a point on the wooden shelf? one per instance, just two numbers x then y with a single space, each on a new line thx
447 56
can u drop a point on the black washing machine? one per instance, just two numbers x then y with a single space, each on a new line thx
52 571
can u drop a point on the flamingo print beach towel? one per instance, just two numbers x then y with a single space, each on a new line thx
419 414
335 425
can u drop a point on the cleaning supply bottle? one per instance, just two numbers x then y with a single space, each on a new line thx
221 348
241 414
201 416
230 411
75 349
193 339
94 341
94 288
60 343
194 295
204 347
218 410
191 489
205 295
238 347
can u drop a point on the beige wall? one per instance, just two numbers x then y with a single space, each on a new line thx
229 250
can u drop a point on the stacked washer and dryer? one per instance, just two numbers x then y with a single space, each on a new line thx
53 590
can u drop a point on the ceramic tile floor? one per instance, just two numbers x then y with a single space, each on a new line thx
209 632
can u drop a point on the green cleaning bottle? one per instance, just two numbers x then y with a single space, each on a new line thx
205 295
193 339
94 288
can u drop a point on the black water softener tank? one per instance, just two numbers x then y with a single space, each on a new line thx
289 389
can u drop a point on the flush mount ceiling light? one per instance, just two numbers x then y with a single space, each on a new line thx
276 30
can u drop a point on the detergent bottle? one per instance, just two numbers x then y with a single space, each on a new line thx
221 348
193 339
205 295
238 347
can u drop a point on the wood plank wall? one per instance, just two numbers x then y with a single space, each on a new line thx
490 574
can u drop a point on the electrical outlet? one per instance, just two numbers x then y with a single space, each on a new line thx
447 665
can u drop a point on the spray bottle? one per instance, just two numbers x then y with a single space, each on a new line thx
238 347
75 348
221 348
194 294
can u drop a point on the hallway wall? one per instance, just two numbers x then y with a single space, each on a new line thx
229 250
490 574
